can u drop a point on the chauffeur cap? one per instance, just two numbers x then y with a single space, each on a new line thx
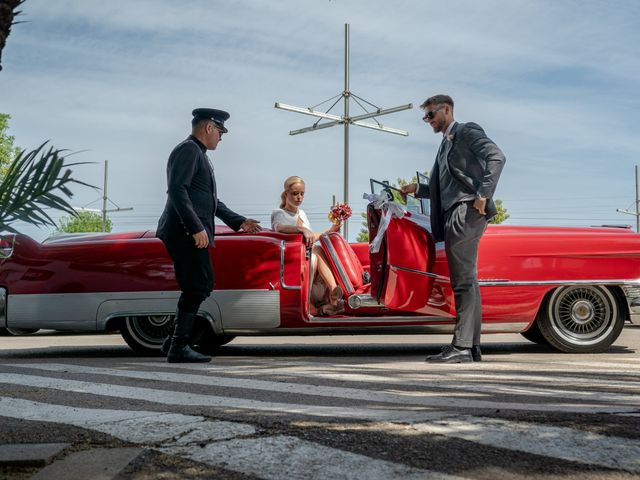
217 116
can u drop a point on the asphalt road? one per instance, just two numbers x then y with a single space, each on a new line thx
344 407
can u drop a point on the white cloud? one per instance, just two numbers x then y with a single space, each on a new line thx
553 83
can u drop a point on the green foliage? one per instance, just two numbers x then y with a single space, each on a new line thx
34 182
502 214
84 221
8 152
8 13
363 235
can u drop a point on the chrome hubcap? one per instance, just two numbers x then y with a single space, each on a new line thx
583 314
150 330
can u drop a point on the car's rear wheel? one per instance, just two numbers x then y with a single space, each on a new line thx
581 319
145 333
7 332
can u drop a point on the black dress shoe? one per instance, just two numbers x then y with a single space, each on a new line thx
451 354
476 353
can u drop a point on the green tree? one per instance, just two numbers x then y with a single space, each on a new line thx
363 235
8 12
8 151
502 214
84 221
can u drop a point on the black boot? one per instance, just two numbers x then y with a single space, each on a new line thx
179 351
166 344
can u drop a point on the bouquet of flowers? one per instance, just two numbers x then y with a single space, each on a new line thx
339 213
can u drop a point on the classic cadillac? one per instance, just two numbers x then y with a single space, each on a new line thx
572 288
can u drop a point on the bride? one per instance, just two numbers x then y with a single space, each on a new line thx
326 295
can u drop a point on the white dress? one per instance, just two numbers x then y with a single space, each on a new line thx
283 217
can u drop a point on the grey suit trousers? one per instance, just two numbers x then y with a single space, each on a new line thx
463 229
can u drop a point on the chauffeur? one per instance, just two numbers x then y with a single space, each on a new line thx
186 226
461 186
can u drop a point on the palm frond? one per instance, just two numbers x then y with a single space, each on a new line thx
8 13
35 181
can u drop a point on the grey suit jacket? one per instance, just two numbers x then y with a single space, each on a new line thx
475 162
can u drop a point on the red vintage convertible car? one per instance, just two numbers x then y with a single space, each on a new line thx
572 288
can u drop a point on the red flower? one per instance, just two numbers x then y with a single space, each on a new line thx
339 213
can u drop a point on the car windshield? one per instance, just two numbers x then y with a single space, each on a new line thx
410 201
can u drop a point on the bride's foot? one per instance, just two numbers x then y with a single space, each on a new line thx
336 295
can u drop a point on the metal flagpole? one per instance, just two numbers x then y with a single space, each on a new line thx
346 119
345 95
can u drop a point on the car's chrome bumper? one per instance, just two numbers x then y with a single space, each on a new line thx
632 294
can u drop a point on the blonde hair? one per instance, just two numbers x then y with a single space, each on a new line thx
288 183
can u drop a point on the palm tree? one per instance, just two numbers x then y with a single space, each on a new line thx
32 184
8 13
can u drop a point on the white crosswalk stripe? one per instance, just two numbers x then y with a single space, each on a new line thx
395 396
429 397
280 456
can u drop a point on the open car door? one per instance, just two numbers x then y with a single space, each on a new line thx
402 267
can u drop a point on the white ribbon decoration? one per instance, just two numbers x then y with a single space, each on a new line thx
390 209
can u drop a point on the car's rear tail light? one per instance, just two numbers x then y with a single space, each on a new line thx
6 245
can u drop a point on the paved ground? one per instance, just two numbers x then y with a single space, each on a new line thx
322 408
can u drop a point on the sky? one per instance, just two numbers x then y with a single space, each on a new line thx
553 82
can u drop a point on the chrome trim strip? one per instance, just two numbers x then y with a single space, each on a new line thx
420 272
282 284
518 283
324 239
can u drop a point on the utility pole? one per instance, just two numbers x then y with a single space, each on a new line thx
637 212
105 199
346 119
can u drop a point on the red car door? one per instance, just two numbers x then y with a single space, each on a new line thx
407 264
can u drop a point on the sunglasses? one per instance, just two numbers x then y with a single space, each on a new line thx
215 125
428 115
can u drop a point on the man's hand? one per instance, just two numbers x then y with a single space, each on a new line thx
480 205
250 226
201 239
411 188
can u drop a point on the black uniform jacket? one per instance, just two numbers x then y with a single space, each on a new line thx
192 202
475 162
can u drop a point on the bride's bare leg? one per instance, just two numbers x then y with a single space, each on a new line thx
323 269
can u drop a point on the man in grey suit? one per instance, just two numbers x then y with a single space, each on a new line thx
461 187
186 226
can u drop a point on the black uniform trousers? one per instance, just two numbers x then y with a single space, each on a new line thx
193 270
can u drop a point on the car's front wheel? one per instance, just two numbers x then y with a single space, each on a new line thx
581 319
